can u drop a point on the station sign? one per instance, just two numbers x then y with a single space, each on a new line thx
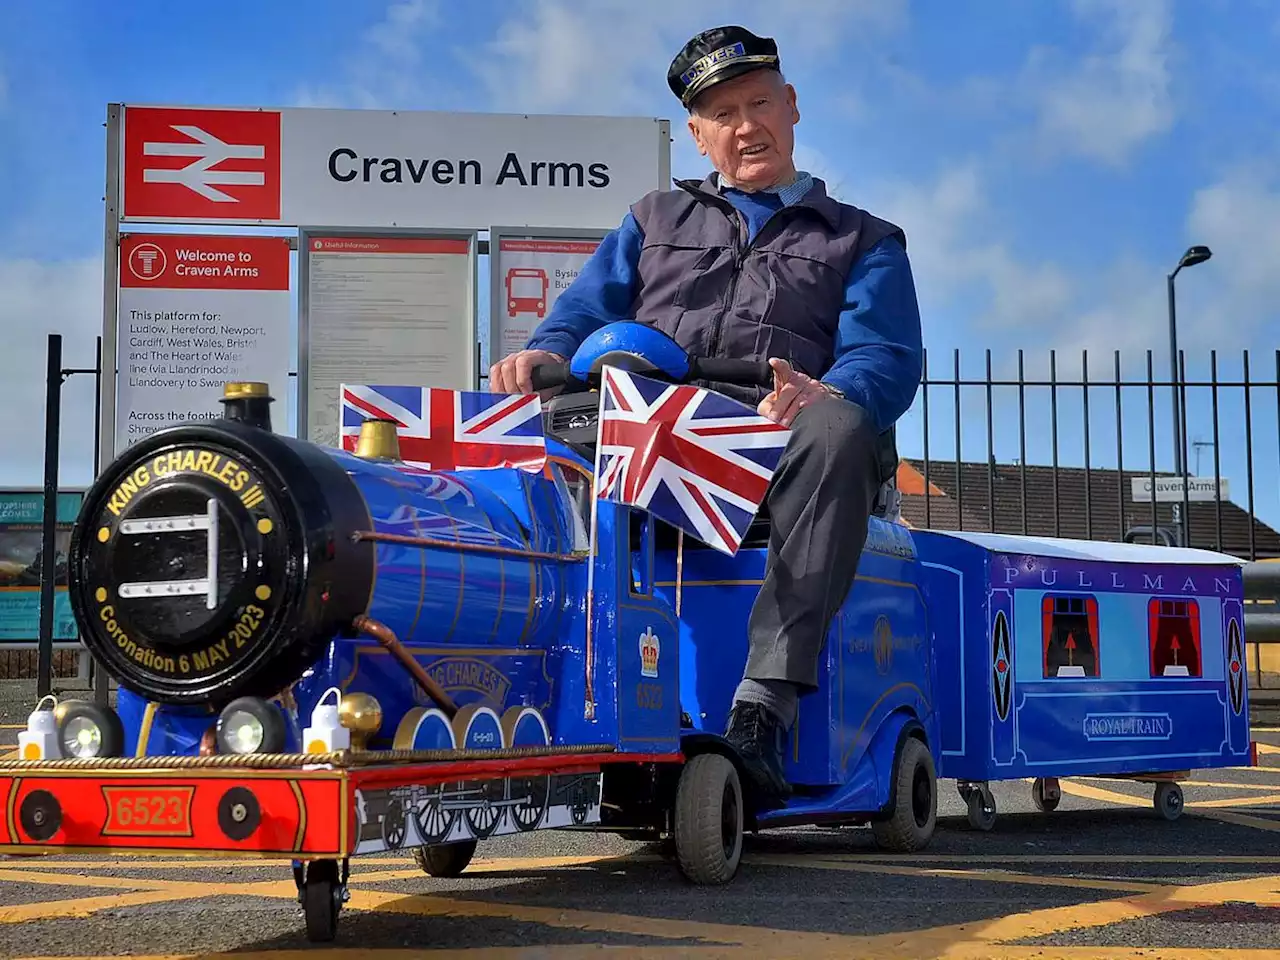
386 168
1169 489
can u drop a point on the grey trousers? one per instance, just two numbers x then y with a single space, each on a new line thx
823 491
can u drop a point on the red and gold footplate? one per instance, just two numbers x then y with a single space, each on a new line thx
298 808
242 812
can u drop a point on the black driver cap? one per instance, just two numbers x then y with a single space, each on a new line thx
717 55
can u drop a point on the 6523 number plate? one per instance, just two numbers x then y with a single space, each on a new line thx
148 811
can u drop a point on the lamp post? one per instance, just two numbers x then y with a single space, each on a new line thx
1194 255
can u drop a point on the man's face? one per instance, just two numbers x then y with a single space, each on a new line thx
745 125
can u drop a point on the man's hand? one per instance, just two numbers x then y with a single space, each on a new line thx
792 392
514 372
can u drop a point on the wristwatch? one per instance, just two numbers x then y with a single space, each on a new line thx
831 389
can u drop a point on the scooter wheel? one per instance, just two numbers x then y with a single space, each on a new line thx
708 820
915 808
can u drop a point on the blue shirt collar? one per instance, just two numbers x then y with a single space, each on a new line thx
790 194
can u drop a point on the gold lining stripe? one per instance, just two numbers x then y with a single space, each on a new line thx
302 816
144 732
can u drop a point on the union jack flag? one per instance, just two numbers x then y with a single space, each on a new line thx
443 429
690 456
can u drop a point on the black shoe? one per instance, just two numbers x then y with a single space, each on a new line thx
759 738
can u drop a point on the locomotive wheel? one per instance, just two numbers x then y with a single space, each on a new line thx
445 859
708 820
1046 801
982 808
434 821
393 825
527 814
485 816
1168 800
915 809
321 900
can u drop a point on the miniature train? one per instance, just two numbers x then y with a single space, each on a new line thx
323 653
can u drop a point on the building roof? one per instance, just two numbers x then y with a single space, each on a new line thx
1059 502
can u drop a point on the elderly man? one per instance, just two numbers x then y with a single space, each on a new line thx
756 261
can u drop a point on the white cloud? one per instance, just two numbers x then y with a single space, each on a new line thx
387 68
1108 103
984 282
540 59
37 299
1237 296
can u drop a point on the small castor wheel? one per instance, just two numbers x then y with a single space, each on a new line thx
982 807
708 820
321 900
915 808
1168 800
445 859
1046 794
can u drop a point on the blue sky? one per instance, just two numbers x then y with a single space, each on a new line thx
1049 161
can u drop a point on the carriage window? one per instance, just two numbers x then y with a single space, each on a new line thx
1173 631
1070 636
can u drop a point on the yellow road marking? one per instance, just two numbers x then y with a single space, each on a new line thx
1000 952
980 936
84 906
1228 785
1050 858
762 941
992 876
1207 810
576 951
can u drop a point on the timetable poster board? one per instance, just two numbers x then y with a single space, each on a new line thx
529 272
21 548
382 308
197 312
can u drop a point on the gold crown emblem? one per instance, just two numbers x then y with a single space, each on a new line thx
649 649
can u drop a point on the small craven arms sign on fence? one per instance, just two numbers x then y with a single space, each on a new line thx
1169 489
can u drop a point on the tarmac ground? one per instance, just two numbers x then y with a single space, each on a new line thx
1103 876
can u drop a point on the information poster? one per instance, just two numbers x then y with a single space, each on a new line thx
197 312
383 309
529 274
21 539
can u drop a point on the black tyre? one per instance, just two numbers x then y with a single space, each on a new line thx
1044 802
1168 800
708 820
445 859
915 808
982 809
321 899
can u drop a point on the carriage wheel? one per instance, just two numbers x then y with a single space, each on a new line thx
915 810
434 821
982 808
321 900
393 825
445 859
1168 800
708 820
527 814
1045 795
484 818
